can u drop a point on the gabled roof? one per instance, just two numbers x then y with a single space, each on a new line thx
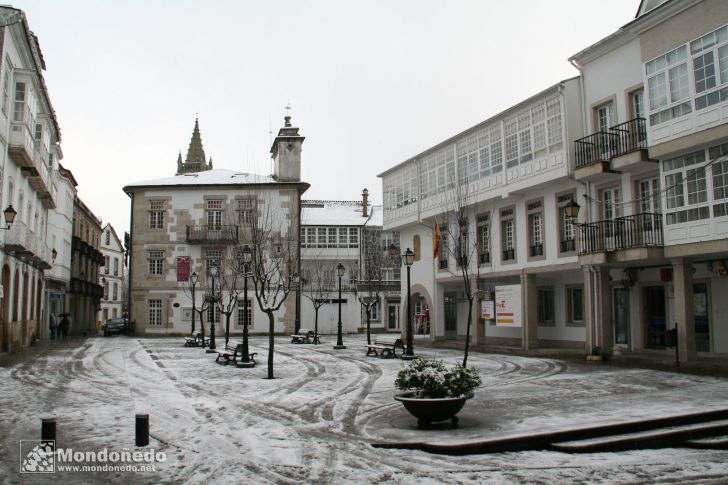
113 233
339 213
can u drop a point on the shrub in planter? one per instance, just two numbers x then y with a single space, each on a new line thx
432 379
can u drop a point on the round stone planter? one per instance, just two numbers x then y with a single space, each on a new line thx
433 410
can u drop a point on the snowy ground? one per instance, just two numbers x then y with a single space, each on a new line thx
314 423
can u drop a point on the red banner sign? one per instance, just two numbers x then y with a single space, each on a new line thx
183 268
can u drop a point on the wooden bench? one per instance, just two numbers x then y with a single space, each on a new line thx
385 346
303 336
232 350
196 340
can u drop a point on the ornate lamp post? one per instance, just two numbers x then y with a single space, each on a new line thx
408 258
10 214
339 273
247 254
213 301
193 280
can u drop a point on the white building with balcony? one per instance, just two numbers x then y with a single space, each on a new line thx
496 194
29 154
59 239
654 238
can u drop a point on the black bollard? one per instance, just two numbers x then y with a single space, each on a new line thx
142 429
48 429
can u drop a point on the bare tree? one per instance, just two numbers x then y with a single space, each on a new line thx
200 289
272 265
372 278
467 239
229 280
317 285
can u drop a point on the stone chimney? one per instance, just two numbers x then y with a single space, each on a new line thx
365 203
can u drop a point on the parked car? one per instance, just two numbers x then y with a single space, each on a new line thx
115 325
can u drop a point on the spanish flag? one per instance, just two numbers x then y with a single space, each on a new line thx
436 236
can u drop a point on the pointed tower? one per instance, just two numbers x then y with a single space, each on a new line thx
195 161
286 153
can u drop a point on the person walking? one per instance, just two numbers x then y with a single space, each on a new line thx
64 326
53 325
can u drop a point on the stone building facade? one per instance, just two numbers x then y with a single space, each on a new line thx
112 277
199 218
86 259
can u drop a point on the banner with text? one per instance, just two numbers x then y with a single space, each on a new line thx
508 306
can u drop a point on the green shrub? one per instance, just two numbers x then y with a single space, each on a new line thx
431 378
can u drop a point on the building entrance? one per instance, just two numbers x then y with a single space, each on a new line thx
451 318
655 316
701 313
621 316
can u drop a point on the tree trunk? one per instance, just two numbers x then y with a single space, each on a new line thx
315 327
369 335
227 328
270 344
467 331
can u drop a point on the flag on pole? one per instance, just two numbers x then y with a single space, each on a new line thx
436 236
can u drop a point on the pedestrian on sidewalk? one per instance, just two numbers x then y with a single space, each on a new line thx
53 325
64 326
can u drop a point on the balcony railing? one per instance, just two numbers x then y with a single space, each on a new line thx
509 254
605 145
597 147
631 136
205 234
484 258
639 230
568 245
536 250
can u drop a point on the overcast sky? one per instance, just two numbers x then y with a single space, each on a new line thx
370 83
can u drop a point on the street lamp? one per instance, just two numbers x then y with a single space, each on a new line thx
339 273
572 211
193 280
247 256
409 258
213 301
10 214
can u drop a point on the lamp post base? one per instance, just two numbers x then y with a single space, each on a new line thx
338 347
408 357
246 365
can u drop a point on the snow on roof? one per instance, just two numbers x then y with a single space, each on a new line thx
218 176
339 213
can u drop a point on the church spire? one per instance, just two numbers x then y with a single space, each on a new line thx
195 161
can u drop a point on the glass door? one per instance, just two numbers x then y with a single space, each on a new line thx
621 316
701 313
393 317
654 317
451 322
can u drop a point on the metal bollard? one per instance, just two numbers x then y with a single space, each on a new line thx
48 429
142 429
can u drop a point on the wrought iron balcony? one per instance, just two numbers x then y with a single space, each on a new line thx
536 250
568 245
212 234
618 140
639 230
484 258
631 136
